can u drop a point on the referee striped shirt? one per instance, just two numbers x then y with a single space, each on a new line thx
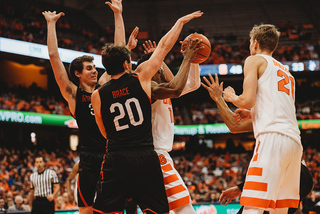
42 183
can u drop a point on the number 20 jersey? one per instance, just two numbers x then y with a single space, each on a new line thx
274 110
126 113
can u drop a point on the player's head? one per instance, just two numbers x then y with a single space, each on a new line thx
266 36
83 69
116 59
39 163
159 77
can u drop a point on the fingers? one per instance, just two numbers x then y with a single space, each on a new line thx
207 81
206 87
212 80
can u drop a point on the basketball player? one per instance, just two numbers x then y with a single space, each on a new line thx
272 181
123 113
78 95
186 80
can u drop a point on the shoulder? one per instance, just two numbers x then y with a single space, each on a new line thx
255 61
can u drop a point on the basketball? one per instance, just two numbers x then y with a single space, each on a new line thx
203 53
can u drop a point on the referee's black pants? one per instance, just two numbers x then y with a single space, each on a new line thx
41 205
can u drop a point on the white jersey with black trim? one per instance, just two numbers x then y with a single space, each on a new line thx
274 110
162 113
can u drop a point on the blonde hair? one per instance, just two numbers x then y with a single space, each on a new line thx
266 35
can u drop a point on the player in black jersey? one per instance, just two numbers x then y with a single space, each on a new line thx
77 93
123 113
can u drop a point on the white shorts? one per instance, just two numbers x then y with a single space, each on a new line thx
177 192
273 176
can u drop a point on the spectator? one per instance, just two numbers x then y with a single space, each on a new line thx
19 206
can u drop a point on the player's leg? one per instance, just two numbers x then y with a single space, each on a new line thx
177 192
149 191
252 210
89 169
114 186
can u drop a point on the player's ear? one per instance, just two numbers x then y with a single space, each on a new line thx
126 65
77 73
256 44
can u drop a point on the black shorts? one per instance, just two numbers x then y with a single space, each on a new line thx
42 205
89 172
132 173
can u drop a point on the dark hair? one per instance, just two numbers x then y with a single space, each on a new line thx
39 156
266 35
113 57
144 58
77 65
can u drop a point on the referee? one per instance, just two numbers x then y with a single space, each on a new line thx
44 188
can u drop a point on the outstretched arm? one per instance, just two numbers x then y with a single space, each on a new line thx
119 32
67 88
173 89
147 69
215 91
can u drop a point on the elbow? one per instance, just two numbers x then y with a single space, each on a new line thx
176 93
53 54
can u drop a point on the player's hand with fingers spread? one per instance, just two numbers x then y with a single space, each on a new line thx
185 19
115 5
191 49
133 41
241 115
52 16
213 87
149 46
229 94
229 194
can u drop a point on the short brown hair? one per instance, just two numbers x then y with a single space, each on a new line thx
77 65
113 57
266 35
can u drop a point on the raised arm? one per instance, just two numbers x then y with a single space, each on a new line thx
119 32
215 91
71 176
67 88
147 69
174 88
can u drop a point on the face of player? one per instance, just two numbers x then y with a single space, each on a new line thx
89 74
159 77
39 163
252 46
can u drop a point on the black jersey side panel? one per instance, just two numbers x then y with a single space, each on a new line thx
91 140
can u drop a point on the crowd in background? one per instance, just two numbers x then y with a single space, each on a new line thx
29 25
206 174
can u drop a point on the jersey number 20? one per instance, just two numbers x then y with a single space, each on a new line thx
122 113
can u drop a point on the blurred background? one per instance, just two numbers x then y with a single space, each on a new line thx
34 117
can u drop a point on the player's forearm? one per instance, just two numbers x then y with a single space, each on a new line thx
56 189
194 81
52 40
180 80
167 72
167 42
243 101
227 117
119 33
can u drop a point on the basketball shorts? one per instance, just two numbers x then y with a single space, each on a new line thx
177 192
134 173
273 175
89 171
